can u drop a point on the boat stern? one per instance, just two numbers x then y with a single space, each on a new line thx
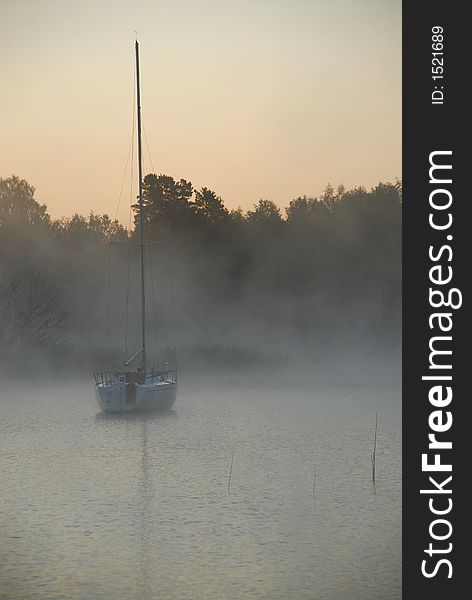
112 392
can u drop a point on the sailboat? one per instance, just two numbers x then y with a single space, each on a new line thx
147 387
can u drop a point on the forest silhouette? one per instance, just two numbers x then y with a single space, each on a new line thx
322 278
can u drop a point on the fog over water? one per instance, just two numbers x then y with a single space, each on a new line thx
282 317
96 506
320 284
286 331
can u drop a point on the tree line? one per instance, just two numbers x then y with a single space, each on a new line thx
325 271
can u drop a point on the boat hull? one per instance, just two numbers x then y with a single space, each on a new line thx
122 396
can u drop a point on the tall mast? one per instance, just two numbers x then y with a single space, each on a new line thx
141 211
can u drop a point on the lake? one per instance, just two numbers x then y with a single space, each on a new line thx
110 507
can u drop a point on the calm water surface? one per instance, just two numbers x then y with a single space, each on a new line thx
96 507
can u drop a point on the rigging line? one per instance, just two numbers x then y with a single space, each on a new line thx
130 149
154 308
131 188
131 284
127 300
131 203
171 282
147 146
108 296
124 176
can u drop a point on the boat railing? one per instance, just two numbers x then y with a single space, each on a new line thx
104 377
165 375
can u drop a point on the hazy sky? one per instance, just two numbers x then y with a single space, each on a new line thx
252 98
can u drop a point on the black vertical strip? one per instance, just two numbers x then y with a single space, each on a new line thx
427 128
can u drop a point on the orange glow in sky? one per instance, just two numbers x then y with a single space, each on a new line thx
251 98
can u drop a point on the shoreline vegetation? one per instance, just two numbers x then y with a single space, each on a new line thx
224 364
318 286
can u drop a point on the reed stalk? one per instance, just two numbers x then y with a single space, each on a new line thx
374 449
230 473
